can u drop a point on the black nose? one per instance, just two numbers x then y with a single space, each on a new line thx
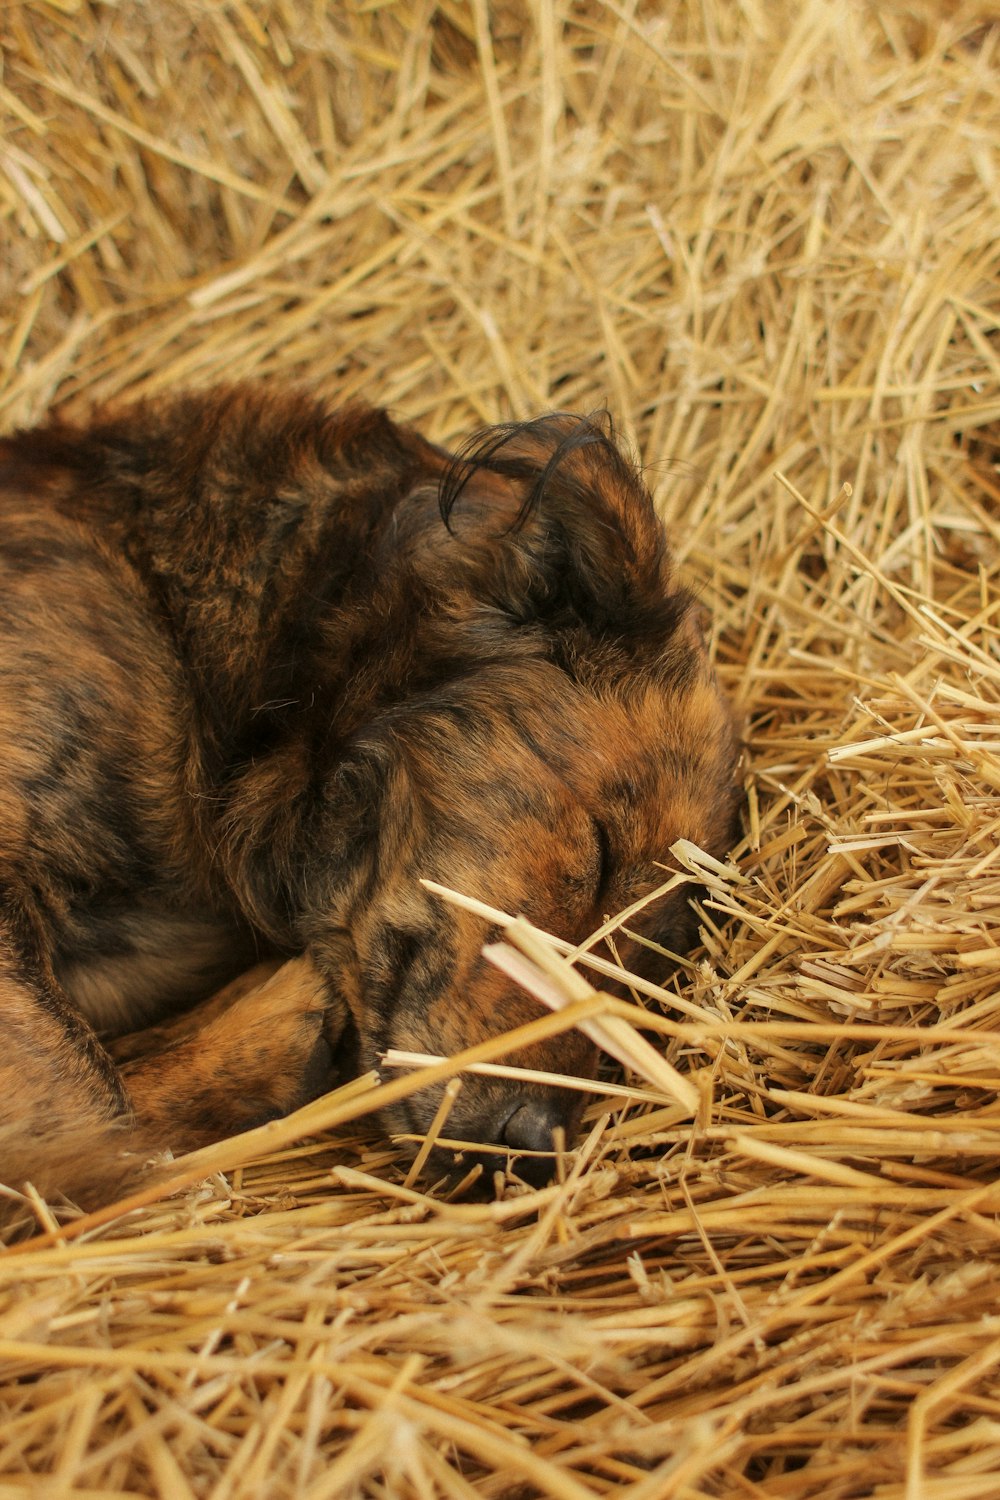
532 1125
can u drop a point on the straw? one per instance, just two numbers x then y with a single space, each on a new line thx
768 237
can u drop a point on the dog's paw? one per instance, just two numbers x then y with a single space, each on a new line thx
252 1055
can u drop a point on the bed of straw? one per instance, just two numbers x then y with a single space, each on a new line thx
767 237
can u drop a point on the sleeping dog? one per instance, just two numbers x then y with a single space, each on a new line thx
264 665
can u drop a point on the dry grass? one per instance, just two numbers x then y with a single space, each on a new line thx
768 236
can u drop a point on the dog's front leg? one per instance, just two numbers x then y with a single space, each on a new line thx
258 1049
72 1121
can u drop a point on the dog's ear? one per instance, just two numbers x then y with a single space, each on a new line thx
285 837
558 527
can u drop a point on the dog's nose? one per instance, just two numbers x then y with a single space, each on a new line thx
532 1125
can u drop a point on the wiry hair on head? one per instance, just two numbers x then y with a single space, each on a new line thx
533 451
564 530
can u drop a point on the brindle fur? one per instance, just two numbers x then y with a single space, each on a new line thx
264 665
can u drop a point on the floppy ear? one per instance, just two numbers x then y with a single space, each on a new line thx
558 527
293 846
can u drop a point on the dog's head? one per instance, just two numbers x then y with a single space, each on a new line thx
541 723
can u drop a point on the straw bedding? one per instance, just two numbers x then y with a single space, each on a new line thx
767 236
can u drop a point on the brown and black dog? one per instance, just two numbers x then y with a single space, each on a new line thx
265 664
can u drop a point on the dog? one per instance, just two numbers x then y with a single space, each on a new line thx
265 664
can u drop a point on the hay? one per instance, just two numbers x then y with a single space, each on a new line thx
767 236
